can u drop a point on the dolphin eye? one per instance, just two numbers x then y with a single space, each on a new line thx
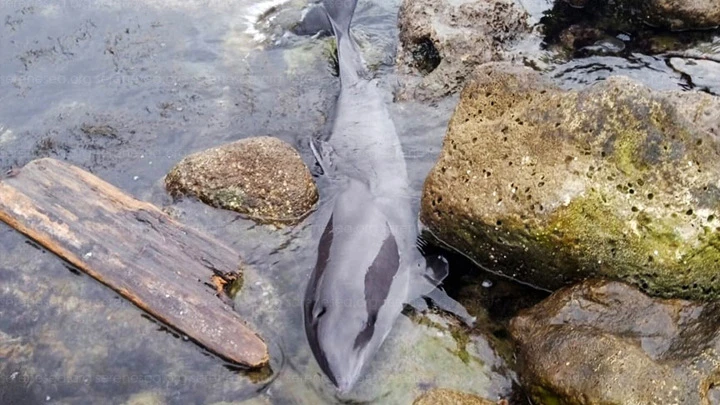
321 312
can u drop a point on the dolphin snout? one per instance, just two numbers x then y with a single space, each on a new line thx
344 386
346 379
345 370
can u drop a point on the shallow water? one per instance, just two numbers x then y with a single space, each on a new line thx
164 79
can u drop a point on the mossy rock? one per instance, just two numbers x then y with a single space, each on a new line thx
263 178
442 396
672 14
550 186
606 343
677 15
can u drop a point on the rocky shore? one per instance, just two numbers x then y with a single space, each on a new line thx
581 218
613 182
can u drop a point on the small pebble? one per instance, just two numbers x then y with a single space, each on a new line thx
623 37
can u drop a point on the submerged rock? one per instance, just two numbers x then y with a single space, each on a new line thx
263 177
672 14
434 350
680 15
582 28
442 396
607 343
445 40
550 186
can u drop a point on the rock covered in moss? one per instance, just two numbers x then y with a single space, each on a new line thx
607 343
673 14
551 186
441 396
262 177
441 42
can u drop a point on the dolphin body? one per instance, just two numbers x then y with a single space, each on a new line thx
368 263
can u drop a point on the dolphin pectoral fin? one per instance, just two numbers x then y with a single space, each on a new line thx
426 286
447 304
427 274
437 268
440 299
322 152
437 265
418 304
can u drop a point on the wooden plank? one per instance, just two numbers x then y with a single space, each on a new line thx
162 266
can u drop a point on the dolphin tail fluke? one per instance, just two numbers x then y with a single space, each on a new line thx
340 13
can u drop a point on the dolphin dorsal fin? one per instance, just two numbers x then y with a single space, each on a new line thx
322 151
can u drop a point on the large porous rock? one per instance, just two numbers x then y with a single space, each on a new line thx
442 396
441 42
673 14
263 177
550 186
607 343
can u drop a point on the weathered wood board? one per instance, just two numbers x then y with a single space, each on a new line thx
162 266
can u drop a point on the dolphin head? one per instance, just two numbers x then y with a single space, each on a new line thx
350 305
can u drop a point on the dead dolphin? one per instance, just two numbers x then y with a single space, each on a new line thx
368 264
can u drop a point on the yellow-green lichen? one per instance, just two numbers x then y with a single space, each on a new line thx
421 319
462 339
229 198
236 285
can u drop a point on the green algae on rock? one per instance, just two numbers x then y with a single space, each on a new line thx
550 186
603 342
441 396
262 177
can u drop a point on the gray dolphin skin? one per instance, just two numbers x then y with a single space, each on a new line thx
368 264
